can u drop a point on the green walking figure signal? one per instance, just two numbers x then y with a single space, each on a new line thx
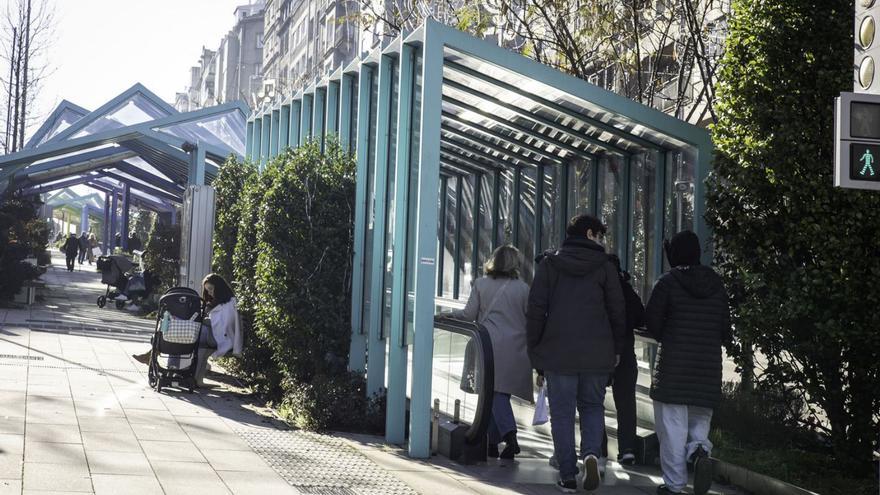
868 158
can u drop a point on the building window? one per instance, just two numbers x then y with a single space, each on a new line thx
260 40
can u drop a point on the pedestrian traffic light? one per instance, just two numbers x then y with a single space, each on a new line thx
857 141
867 47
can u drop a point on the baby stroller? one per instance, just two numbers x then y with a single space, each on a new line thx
175 343
113 273
122 279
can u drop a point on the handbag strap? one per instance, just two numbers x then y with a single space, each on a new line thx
492 302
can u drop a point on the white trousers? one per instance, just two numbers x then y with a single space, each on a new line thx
680 430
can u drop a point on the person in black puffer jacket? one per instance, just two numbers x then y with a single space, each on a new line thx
575 331
689 316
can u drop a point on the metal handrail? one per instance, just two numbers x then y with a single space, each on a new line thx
483 342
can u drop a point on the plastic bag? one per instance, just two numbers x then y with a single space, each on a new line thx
542 408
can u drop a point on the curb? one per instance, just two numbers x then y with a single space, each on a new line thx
759 484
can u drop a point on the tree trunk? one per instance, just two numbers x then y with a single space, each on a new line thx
16 62
6 144
24 86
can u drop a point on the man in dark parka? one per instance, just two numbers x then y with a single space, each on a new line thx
71 249
689 316
575 333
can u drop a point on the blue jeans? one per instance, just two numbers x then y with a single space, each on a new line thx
502 421
584 392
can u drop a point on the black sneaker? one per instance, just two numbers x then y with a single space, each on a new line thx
702 472
591 473
567 486
664 490
627 458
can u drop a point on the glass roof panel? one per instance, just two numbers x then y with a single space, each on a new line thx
569 102
67 118
146 167
226 130
135 110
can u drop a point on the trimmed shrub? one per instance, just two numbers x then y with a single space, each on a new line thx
316 405
304 263
255 365
229 187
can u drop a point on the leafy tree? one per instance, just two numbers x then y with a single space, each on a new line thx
800 255
228 185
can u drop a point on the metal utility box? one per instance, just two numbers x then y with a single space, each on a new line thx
196 234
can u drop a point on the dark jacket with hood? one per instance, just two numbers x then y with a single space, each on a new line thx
688 314
576 314
71 247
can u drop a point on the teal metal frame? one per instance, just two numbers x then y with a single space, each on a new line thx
463 134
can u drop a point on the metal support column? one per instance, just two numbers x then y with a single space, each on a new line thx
346 92
426 245
274 135
114 207
266 130
126 203
249 141
496 208
105 234
564 170
395 424
624 227
331 122
283 128
319 104
659 212
516 200
594 194
84 219
256 152
456 274
478 223
358 350
376 342
441 241
295 111
539 211
305 121
196 176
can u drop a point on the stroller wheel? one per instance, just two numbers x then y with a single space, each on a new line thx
120 304
102 301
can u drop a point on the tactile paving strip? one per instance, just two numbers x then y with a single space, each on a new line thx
321 465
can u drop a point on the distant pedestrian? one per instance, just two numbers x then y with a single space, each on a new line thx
93 244
689 315
498 301
71 249
575 328
83 247
626 373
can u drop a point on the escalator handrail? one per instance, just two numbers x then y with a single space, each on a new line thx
483 342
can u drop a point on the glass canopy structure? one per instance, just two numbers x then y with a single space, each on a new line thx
136 148
463 146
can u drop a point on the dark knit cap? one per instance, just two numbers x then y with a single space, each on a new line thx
683 249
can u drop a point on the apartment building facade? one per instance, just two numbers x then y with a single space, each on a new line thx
305 39
233 71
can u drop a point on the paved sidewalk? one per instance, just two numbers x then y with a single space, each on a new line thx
77 416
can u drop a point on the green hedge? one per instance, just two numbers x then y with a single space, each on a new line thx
256 365
292 276
22 235
229 186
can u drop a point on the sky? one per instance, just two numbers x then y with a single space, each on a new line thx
100 48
